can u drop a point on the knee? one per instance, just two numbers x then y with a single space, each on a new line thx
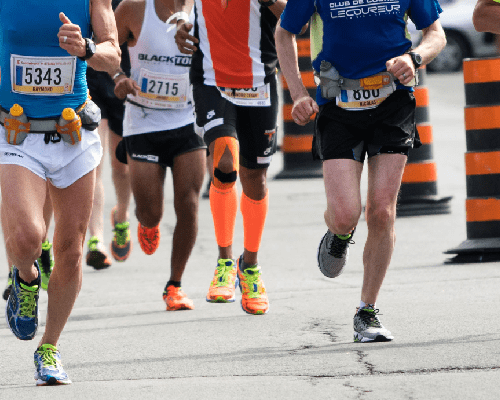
26 242
226 162
148 215
346 221
380 217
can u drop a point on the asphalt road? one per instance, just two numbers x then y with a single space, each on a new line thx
121 343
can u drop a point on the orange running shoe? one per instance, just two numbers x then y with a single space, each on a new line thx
149 238
253 293
225 280
176 299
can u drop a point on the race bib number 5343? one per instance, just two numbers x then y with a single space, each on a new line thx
50 76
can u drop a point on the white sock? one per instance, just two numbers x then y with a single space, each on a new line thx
362 304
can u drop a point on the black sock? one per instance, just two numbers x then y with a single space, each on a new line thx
174 283
32 283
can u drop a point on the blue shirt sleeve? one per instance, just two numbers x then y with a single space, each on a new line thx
296 14
424 13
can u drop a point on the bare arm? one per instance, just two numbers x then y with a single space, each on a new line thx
486 17
278 7
107 56
433 41
185 42
303 105
124 17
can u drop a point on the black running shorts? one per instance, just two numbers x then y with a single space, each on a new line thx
254 127
162 147
389 128
101 89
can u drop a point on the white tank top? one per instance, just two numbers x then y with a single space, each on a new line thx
162 72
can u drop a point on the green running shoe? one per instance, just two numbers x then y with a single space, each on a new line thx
22 307
49 369
121 245
8 289
46 263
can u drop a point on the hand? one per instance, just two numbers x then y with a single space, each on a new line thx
124 86
182 38
303 109
402 68
70 37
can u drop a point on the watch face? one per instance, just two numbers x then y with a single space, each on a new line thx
417 58
92 47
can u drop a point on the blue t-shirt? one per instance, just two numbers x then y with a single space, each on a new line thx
358 36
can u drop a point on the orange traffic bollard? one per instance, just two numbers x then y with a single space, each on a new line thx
297 140
482 162
418 194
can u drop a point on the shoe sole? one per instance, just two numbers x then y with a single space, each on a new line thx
52 382
358 338
180 308
220 299
259 312
331 276
98 262
117 257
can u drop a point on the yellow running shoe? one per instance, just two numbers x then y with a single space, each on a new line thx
253 293
176 299
149 238
121 245
225 280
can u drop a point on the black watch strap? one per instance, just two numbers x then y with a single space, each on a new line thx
416 58
267 3
89 49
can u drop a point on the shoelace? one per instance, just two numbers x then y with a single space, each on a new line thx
223 272
369 317
27 302
338 246
121 233
252 282
48 357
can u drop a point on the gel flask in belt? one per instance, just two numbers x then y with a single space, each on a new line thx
69 126
16 124
329 80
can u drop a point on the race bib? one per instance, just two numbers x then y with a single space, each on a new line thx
254 97
48 76
363 99
163 91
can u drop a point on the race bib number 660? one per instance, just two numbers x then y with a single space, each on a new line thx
50 76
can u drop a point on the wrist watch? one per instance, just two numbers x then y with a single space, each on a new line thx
416 58
90 49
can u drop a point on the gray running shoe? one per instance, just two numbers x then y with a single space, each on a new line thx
367 326
333 253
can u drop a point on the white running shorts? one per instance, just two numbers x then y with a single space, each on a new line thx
62 163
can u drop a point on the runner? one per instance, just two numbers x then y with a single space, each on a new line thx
158 132
236 101
366 69
48 134
101 88
486 17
